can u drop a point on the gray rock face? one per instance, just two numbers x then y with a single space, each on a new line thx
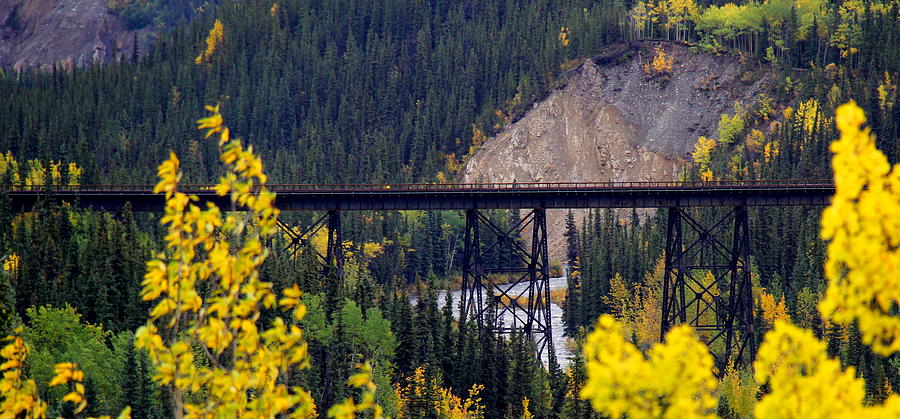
39 33
615 123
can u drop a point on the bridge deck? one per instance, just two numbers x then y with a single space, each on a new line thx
461 196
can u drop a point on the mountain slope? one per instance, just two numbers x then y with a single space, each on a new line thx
616 123
39 33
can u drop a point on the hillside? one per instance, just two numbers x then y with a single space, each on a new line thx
615 123
39 33
388 97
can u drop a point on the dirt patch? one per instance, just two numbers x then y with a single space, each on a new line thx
615 123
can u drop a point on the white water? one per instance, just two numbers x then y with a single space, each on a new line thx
556 321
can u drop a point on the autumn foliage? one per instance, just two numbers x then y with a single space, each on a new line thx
213 42
209 298
204 335
661 64
805 383
33 174
20 395
422 396
864 231
675 381
793 365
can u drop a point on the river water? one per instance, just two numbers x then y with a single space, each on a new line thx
556 321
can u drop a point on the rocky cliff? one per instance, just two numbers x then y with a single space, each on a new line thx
39 33
614 122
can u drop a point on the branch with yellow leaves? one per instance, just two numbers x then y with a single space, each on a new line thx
249 365
20 396
349 408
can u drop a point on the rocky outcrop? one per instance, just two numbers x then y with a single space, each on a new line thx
615 123
40 33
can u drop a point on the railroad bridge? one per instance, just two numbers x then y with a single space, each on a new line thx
722 310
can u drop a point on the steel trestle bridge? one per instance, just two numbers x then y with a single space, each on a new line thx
718 307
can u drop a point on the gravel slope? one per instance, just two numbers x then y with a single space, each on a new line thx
615 123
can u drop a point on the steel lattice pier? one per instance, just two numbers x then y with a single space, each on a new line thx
521 302
706 283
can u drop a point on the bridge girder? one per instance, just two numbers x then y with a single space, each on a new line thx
459 197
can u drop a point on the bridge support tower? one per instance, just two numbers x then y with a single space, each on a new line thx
706 283
520 300
332 261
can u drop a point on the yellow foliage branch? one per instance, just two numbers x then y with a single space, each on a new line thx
863 228
805 383
245 370
676 381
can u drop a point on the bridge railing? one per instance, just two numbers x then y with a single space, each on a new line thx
453 187
551 186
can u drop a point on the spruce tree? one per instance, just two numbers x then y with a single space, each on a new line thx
137 388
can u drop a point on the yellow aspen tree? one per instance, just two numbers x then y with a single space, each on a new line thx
648 312
37 174
619 298
755 140
702 153
887 92
639 16
371 250
661 62
809 117
74 173
683 12
20 394
478 139
771 150
863 231
564 38
848 36
526 414
676 381
9 168
11 263
244 366
805 383
213 41
772 311
55 174
647 317
453 165
740 390
421 396
68 372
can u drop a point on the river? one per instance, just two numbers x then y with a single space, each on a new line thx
556 321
